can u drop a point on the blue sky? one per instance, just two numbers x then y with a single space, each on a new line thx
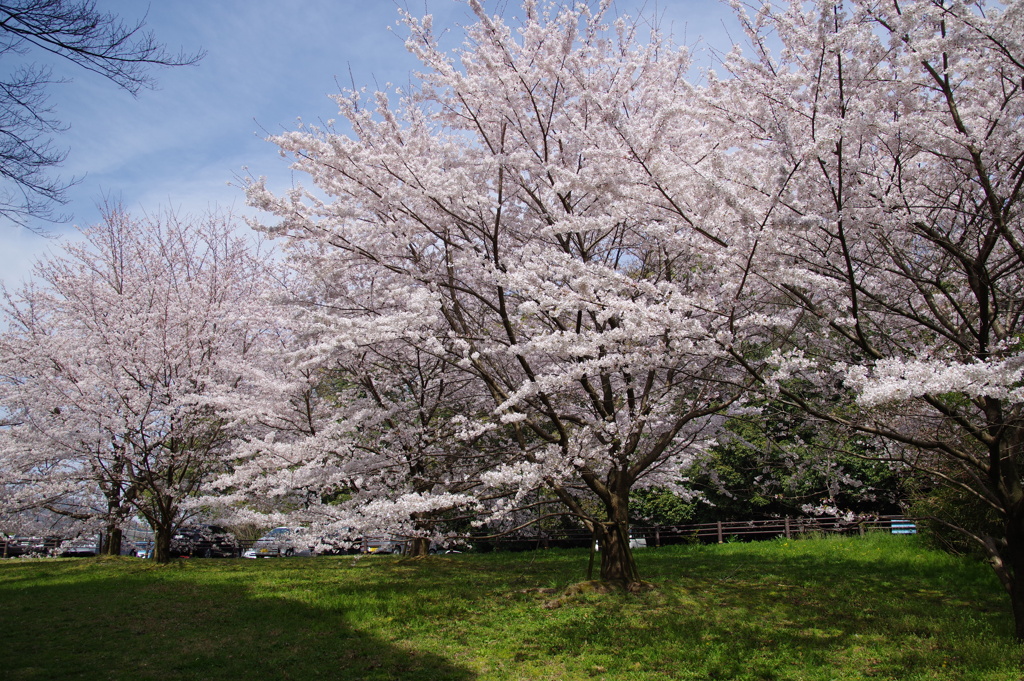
268 63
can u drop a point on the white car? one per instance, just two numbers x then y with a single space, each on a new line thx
280 541
383 544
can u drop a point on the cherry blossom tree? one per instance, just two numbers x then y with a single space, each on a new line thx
349 438
882 145
408 467
116 360
537 216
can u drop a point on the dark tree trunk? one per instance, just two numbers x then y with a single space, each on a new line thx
162 513
113 538
162 543
1006 553
618 566
1009 566
120 496
1017 603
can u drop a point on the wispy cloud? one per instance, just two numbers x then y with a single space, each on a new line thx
268 63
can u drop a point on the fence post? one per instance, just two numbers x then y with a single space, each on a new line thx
787 527
657 537
719 531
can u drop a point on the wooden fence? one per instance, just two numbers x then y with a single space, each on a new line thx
721 531
776 527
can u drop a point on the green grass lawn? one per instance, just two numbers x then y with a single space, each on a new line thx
878 607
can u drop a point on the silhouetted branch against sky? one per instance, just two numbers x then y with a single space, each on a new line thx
34 34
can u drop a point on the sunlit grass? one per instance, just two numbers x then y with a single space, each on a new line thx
878 607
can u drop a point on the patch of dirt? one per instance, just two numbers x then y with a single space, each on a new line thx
573 591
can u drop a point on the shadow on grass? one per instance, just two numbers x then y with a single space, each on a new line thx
71 622
797 613
758 611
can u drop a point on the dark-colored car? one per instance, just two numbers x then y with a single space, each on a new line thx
204 541
28 546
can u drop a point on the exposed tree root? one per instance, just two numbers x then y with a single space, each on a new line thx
574 591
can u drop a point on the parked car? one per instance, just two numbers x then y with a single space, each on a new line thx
79 547
143 549
336 543
384 544
203 541
29 546
279 542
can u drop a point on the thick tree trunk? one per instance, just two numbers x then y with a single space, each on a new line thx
161 512
419 546
1011 570
162 544
618 566
1009 567
112 541
1017 604
1006 554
